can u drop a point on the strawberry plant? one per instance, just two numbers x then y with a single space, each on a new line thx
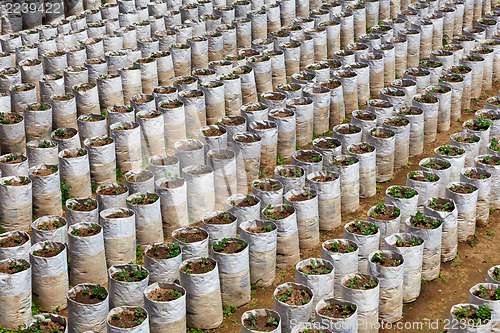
447 150
414 241
446 206
380 259
402 192
382 209
357 282
338 248
484 293
363 228
494 145
419 220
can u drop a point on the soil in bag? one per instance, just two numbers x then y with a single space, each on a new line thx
360 282
382 260
323 179
337 247
202 266
315 269
130 276
362 149
47 252
164 252
45 172
228 246
191 236
112 190
128 318
22 181
13 241
188 146
144 200
85 206
261 323
14 158
292 296
100 142
221 218
120 215
94 229
164 295
301 197
267 187
247 202
50 225
337 311
14 267
261 230
47 326
90 296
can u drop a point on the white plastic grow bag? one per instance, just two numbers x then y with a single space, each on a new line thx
203 298
15 296
119 236
41 233
50 276
390 285
449 242
262 250
321 284
412 263
162 270
234 274
366 245
483 185
293 315
166 316
16 208
465 204
86 255
148 219
287 252
431 259
125 293
307 216
19 252
367 302
76 216
344 263
329 196
86 317
331 324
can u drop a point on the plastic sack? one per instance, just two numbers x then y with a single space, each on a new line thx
166 316
391 286
449 243
293 315
203 297
126 293
86 317
412 263
119 234
366 300
15 296
50 276
262 250
86 255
